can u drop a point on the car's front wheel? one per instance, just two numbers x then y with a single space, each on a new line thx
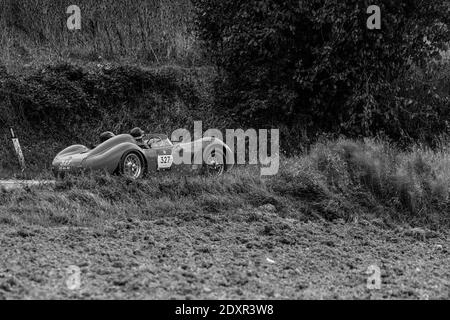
132 165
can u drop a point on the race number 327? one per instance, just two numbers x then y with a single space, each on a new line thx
165 161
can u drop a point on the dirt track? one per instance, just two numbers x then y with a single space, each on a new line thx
243 255
17 184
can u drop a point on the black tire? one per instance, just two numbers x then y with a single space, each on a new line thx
132 165
212 167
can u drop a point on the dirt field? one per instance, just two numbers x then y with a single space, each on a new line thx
244 254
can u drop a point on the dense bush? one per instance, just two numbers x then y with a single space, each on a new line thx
315 64
62 99
63 104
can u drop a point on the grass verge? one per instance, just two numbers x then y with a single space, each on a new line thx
340 179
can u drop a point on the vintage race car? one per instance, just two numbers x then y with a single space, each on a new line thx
123 155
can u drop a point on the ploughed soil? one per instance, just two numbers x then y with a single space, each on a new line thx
247 254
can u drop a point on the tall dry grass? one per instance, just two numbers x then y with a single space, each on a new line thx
412 183
144 31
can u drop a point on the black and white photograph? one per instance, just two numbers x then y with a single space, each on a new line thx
249 151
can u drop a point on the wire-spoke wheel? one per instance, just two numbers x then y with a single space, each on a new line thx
215 164
132 166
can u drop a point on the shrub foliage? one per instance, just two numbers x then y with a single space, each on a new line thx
314 63
62 104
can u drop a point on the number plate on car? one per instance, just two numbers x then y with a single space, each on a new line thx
165 161
65 165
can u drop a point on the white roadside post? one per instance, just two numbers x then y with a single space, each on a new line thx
18 149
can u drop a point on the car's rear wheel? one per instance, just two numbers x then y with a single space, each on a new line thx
214 164
132 165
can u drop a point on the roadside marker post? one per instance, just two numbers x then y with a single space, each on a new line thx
18 149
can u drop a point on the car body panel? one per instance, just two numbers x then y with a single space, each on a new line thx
157 147
109 159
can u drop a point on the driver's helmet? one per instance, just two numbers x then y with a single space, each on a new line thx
106 136
137 133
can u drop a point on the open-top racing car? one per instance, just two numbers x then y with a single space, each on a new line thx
122 154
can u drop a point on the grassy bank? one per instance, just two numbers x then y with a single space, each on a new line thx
335 180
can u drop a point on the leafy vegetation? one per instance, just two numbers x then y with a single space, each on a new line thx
314 65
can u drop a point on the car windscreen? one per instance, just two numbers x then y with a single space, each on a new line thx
159 143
